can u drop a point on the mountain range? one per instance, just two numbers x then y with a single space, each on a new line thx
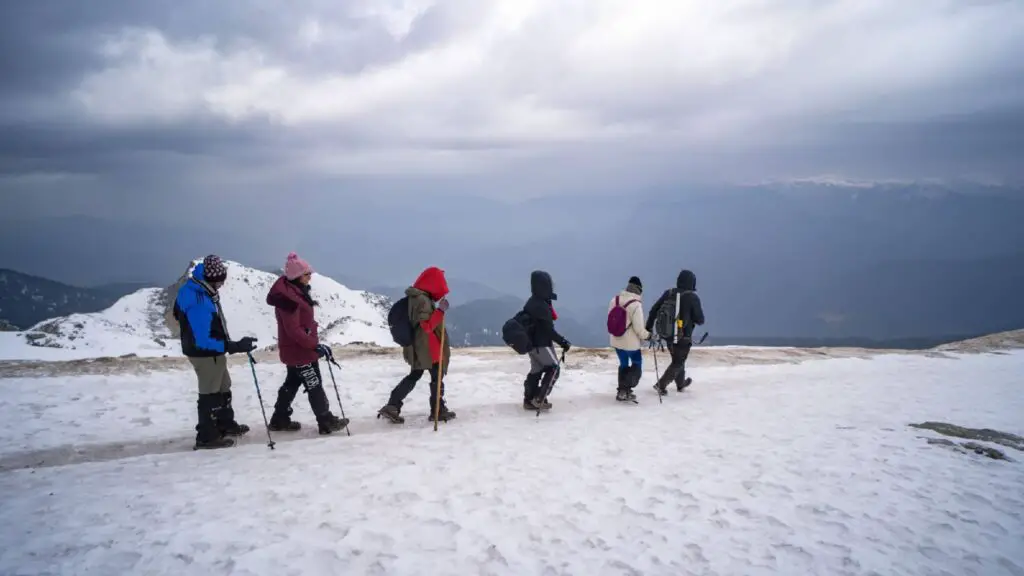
141 323
800 259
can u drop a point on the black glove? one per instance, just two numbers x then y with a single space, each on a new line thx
324 351
243 346
565 345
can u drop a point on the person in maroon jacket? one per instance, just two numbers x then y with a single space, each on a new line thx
299 349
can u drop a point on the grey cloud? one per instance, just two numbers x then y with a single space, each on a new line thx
49 46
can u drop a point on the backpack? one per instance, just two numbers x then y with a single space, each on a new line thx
402 330
665 321
516 332
618 318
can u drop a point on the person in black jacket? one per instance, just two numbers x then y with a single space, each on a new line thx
544 365
678 338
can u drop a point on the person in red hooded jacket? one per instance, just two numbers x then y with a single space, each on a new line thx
299 349
427 307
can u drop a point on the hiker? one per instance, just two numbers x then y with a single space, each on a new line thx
627 333
676 313
205 342
300 350
544 365
427 305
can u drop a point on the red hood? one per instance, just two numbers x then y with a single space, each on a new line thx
432 282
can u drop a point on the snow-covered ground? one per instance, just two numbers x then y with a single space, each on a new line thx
136 324
759 468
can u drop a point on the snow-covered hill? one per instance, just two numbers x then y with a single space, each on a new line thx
142 324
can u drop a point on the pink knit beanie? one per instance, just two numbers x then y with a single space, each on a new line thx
295 267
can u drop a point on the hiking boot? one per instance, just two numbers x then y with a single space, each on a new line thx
282 422
222 442
540 404
684 385
225 417
622 396
232 428
392 413
661 391
446 415
329 423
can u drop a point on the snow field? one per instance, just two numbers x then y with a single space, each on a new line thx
769 469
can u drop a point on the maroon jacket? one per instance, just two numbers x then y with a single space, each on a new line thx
296 329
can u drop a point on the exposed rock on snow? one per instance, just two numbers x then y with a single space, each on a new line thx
982 434
969 447
6 326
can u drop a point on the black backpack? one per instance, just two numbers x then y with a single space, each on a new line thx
516 332
664 322
402 330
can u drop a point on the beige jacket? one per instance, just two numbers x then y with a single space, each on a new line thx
635 333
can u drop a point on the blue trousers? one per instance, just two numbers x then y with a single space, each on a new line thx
628 357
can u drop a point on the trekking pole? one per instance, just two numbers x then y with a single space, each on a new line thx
336 393
657 373
440 373
252 365
703 338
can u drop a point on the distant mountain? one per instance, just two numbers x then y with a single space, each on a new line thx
461 291
142 323
26 299
478 323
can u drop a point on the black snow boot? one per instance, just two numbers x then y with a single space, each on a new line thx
329 423
680 386
207 435
530 386
226 418
445 414
282 421
392 413
623 379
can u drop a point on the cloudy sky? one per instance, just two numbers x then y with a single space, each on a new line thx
129 107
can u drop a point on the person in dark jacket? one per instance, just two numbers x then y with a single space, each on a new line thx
205 341
300 350
428 303
544 365
688 315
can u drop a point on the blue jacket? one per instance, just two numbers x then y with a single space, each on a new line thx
202 328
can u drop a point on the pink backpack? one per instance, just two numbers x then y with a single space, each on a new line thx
618 318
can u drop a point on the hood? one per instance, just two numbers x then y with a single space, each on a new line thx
686 281
432 282
198 280
199 272
542 286
285 295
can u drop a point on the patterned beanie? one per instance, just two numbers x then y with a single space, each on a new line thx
636 281
214 269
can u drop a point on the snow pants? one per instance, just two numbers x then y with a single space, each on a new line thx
307 377
676 370
544 370
212 373
407 384
214 412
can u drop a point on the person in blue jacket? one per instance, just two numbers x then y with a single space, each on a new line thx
205 341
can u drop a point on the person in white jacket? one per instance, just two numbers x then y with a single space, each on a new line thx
628 345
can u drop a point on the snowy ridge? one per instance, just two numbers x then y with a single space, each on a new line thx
141 324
